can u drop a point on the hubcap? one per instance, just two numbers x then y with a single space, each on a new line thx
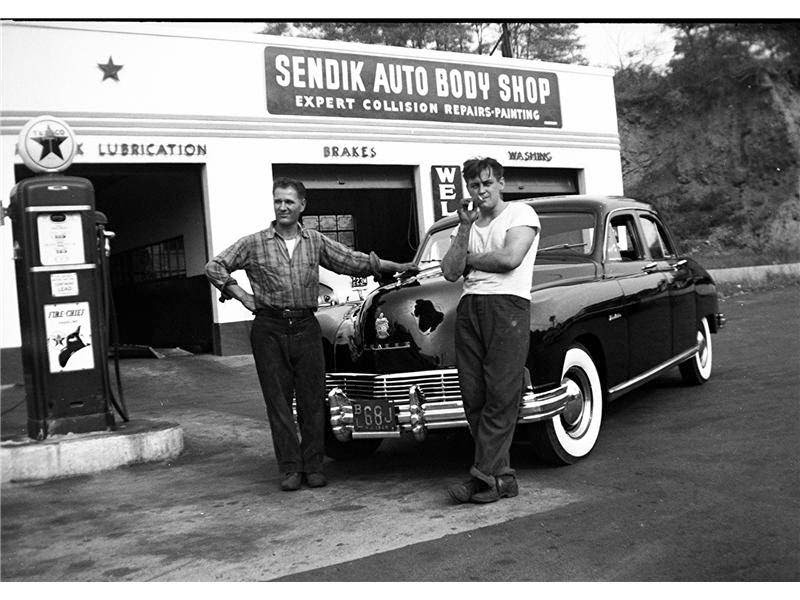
702 349
574 417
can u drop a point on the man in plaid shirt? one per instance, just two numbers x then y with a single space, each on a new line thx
282 264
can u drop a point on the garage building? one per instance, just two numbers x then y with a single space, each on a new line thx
182 135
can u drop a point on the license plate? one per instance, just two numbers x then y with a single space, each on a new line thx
358 282
373 415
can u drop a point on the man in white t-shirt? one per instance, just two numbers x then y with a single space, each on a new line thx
494 249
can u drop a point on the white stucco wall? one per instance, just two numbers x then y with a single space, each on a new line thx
205 90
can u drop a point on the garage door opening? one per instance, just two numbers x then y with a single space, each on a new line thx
524 182
364 207
158 256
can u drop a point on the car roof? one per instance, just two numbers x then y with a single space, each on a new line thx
599 203
585 202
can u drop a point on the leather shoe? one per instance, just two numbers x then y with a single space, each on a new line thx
316 479
505 487
291 482
463 492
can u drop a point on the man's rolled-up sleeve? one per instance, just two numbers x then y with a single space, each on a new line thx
341 259
219 268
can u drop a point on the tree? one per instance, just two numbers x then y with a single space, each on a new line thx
280 28
711 57
557 42
456 37
554 42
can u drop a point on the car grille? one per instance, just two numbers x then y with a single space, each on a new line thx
435 385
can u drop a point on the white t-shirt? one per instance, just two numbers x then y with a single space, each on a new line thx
493 237
290 244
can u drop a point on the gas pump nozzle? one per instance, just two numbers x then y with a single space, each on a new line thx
100 222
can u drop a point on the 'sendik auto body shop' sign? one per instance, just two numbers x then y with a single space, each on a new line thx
337 84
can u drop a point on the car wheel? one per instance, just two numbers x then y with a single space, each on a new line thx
697 370
572 434
349 450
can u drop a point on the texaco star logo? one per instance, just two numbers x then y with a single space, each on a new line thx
46 144
50 143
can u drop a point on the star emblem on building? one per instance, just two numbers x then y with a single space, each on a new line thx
110 70
50 143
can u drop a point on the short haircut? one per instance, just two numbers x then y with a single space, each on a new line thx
285 182
475 166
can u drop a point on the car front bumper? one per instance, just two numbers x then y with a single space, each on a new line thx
415 415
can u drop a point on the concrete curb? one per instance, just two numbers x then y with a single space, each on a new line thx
78 454
753 274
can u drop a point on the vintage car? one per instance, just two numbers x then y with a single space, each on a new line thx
613 306
336 289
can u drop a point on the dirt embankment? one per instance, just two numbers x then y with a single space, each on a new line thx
726 175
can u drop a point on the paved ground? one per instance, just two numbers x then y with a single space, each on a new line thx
685 484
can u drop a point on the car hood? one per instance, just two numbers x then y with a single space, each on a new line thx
409 325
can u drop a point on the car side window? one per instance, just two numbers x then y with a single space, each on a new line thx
655 238
622 242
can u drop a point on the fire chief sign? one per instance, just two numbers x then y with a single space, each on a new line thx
336 84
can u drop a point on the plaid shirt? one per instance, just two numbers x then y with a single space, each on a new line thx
277 280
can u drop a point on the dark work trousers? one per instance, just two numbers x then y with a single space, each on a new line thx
492 340
289 361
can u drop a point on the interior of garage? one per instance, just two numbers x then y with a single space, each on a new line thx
160 292
525 182
365 207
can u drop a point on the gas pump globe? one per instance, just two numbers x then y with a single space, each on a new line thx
60 263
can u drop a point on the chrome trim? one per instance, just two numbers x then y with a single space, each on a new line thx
64 208
650 211
48 268
360 435
639 379
341 415
416 411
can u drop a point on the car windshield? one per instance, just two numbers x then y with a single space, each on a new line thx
435 246
568 231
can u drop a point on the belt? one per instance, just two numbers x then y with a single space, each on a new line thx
285 313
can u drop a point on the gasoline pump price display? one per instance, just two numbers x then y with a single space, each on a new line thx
60 239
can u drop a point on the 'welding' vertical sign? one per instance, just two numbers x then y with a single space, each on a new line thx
448 189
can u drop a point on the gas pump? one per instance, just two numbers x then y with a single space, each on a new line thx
60 255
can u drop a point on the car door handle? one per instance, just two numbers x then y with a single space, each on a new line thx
650 267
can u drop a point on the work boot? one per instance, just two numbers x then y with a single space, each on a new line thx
316 479
291 482
505 487
463 492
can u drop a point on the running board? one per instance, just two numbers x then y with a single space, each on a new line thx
627 386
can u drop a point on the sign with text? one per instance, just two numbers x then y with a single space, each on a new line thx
337 84
448 189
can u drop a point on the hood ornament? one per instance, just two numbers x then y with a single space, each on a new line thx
382 327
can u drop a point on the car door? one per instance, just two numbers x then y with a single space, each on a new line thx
645 287
680 282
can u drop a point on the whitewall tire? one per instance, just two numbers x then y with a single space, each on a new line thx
697 370
571 435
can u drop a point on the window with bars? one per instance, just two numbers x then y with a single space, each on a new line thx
162 260
341 228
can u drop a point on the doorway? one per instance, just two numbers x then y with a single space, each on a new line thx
159 252
368 208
